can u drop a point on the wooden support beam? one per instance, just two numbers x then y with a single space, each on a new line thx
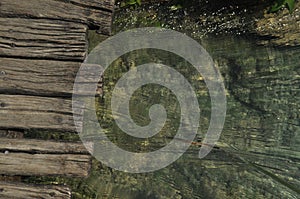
82 11
21 191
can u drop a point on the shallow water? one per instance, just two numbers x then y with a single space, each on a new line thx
258 153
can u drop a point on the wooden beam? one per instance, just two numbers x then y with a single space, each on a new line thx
41 77
82 11
21 191
42 38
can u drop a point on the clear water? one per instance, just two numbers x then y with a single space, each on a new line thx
258 154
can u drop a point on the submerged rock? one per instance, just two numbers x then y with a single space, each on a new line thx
282 27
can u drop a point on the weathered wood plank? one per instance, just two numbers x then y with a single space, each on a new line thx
42 146
32 112
21 191
41 77
82 12
36 38
17 163
25 112
37 157
97 4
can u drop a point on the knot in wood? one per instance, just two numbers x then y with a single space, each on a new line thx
58 119
2 73
2 104
52 194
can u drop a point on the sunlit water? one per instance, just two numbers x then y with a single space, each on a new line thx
258 153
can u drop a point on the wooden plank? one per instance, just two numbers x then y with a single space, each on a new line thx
38 157
21 191
97 4
74 10
35 77
25 112
32 112
42 146
25 164
41 38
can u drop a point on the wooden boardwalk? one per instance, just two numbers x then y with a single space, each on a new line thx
42 45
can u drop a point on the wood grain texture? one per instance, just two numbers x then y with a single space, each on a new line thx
21 191
96 4
25 164
42 146
74 10
42 77
25 112
36 38
38 157
33 112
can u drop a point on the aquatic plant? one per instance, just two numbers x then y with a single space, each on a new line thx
130 3
279 4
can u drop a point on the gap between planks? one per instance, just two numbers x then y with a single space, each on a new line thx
42 146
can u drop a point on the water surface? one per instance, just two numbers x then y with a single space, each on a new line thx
258 153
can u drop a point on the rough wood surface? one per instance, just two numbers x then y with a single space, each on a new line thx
41 77
81 11
25 112
44 164
41 38
33 112
97 4
21 191
26 164
37 157
41 146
